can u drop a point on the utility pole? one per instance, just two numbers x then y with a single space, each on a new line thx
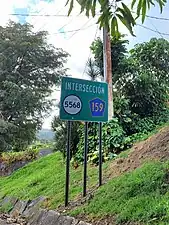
108 70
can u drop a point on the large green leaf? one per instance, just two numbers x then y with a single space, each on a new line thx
126 24
127 14
71 6
122 12
94 8
144 8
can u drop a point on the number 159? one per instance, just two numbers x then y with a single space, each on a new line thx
97 107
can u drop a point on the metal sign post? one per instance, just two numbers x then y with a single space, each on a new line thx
100 154
85 159
67 162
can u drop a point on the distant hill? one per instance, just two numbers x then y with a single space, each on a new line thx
45 134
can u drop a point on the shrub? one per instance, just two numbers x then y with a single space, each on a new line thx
113 137
11 157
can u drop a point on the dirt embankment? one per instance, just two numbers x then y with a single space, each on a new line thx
154 148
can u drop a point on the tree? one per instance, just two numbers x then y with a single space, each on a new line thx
92 69
118 52
153 57
113 12
147 77
29 69
60 129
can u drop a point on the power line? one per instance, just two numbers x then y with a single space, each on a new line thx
67 31
81 28
70 31
41 15
63 15
147 28
158 18
156 29
154 17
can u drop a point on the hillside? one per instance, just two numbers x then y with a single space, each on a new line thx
136 189
45 134
45 177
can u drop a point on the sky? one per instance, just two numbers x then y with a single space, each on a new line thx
75 34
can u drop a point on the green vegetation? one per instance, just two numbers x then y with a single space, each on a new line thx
28 71
112 14
142 195
6 207
46 177
29 154
10 157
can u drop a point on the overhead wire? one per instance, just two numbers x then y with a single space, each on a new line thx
41 15
157 18
160 34
63 15
81 28
147 28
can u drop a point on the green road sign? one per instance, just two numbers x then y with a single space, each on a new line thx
83 100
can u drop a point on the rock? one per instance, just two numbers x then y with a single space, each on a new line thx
83 223
8 203
36 218
32 207
18 208
68 220
2 222
75 221
61 220
50 218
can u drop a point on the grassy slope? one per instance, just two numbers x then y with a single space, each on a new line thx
45 177
142 195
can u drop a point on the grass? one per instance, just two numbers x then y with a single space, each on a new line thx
46 177
142 195
123 154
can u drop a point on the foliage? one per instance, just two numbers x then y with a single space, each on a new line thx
113 13
60 129
27 155
119 134
29 69
152 57
92 69
5 135
118 51
140 97
134 123
6 207
113 137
